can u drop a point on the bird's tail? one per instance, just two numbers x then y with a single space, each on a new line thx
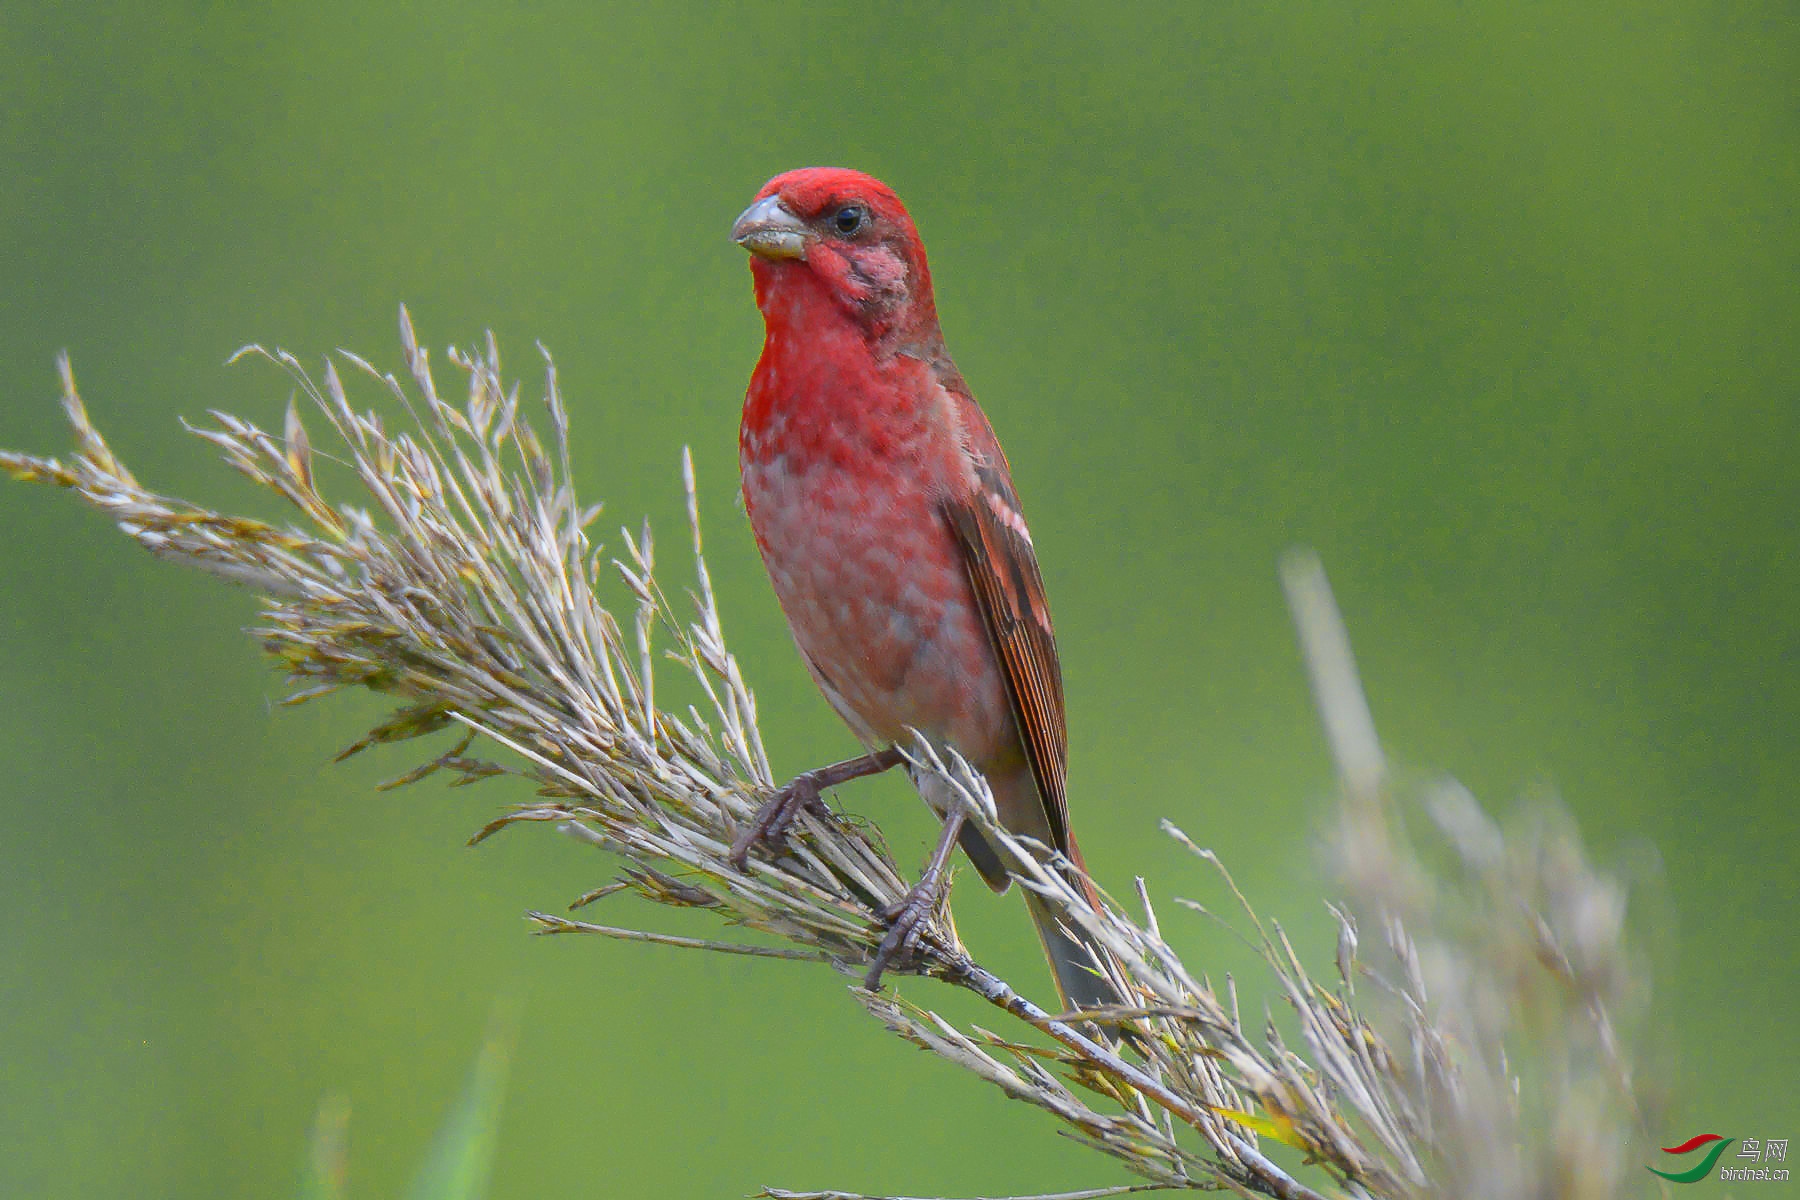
1075 960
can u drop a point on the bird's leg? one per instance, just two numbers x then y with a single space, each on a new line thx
907 919
802 794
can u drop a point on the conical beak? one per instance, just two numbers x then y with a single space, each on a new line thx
769 230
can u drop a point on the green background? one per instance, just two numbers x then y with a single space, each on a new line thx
1494 305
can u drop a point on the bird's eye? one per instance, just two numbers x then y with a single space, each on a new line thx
850 219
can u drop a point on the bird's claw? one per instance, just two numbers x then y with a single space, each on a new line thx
906 922
770 826
802 794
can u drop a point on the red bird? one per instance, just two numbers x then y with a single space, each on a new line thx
886 516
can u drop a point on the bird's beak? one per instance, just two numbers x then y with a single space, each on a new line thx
768 230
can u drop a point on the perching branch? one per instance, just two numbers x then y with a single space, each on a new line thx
1487 1054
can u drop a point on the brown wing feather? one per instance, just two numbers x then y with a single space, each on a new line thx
1003 571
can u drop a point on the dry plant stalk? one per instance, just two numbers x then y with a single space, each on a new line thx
1481 1057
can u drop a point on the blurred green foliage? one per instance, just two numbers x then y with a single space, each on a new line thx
1493 304
460 1160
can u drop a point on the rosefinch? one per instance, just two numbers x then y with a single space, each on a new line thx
886 516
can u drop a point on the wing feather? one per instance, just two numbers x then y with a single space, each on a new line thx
1009 589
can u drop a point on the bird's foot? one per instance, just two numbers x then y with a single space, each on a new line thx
802 794
770 826
906 923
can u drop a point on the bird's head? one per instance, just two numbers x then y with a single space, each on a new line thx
843 235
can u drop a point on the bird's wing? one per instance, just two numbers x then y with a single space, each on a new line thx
1003 571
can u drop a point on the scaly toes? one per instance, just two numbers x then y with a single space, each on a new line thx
770 825
906 924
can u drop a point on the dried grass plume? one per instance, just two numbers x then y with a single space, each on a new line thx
1474 1035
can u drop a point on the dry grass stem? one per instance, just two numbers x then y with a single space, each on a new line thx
1472 1036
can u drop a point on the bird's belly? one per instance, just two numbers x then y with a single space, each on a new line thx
874 589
